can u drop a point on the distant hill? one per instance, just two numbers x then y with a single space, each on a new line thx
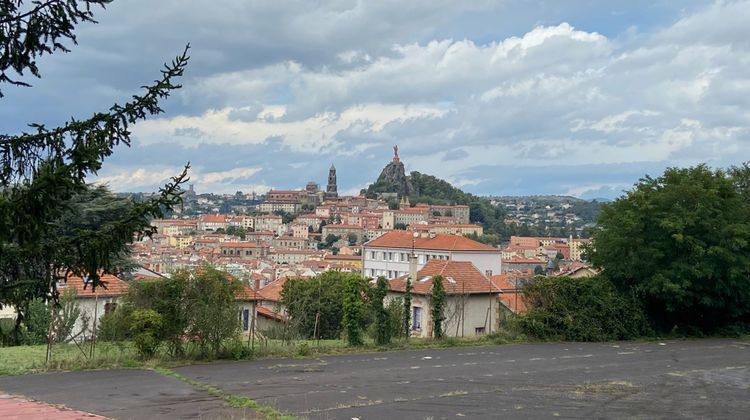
490 212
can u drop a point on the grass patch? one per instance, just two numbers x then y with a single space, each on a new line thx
66 357
21 360
231 400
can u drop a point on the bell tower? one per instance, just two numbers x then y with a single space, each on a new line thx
331 189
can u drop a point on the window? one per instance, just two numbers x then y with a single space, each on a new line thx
372 255
479 330
416 318
390 274
390 256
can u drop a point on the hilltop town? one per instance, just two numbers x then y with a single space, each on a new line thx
301 233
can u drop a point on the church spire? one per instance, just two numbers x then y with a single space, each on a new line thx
332 189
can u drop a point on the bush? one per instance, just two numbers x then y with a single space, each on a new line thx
37 322
585 309
146 327
115 326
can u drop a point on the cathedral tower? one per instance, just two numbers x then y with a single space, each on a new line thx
331 189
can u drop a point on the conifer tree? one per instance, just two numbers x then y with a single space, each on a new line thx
42 171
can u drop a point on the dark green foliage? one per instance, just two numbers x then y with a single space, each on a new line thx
584 309
406 320
43 172
146 328
286 218
395 310
682 242
353 310
400 226
352 239
437 302
329 240
237 231
437 191
383 329
115 326
165 296
304 298
538 270
37 322
211 309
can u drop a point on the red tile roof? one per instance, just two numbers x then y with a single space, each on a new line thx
239 245
113 286
459 277
441 242
267 313
272 291
512 297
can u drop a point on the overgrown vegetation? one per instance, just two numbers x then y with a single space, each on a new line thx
437 302
583 309
354 290
197 307
681 243
383 328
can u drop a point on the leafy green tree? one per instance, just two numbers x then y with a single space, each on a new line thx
211 309
304 299
437 302
237 231
682 242
353 310
400 226
165 296
352 239
538 270
42 170
382 319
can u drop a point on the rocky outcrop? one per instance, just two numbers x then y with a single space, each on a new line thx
392 179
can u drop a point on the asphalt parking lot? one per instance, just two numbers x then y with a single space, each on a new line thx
673 379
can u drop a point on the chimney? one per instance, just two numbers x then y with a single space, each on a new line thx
413 268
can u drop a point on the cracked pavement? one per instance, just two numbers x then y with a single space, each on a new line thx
670 379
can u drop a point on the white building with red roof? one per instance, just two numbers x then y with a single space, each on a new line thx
472 301
388 255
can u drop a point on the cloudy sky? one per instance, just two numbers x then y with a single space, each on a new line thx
578 97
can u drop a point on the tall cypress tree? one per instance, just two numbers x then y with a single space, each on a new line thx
437 303
407 308
382 318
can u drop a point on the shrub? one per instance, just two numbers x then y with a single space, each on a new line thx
37 322
584 309
146 326
115 326
303 350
